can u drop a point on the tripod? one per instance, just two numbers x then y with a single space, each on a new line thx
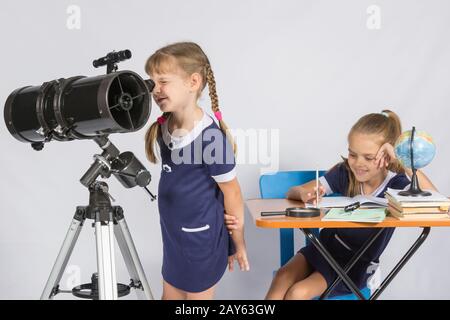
109 221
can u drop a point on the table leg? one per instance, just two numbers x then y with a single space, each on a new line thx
402 262
350 284
352 261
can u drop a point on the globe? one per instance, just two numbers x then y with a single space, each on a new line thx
424 149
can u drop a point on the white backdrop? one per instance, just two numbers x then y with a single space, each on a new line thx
298 72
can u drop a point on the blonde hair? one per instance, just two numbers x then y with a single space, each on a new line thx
191 59
385 124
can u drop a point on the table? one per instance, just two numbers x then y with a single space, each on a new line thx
256 206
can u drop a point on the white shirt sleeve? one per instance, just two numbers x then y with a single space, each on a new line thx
325 184
225 177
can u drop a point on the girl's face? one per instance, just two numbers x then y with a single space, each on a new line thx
362 150
173 89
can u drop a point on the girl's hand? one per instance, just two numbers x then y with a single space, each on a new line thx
311 197
385 156
231 222
241 257
299 193
314 194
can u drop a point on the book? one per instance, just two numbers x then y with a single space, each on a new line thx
410 210
359 215
340 202
435 200
416 216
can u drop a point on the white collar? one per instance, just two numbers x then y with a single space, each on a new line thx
381 187
173 142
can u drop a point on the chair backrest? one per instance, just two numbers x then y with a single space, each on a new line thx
276 185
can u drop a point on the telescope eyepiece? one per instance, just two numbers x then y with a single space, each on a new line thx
150 84
112 58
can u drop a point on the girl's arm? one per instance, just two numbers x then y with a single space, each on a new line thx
386 155
424 181
234 206
305 192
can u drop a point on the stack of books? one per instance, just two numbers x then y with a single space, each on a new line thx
431 207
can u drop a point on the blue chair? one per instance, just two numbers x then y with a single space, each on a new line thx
275 186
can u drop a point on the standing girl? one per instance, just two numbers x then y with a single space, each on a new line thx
371 168
198 179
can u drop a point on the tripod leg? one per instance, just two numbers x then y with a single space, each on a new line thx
131 257
104 233
51 287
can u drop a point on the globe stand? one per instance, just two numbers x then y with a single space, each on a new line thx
414 189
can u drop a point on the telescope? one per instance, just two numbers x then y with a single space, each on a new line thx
91 108
79 107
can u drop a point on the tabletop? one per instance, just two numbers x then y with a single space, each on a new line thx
256 206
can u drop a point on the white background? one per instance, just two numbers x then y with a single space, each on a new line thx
307 68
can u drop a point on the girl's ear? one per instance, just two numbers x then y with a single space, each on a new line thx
195 82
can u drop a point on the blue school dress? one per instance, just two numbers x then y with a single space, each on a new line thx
343 243
196 243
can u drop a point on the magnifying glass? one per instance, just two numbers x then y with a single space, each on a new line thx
296 212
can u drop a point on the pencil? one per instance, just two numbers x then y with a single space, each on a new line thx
317 188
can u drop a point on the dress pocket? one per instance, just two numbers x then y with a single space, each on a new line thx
197 242
342 243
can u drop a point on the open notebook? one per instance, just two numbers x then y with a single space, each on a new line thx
340 202
359 215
